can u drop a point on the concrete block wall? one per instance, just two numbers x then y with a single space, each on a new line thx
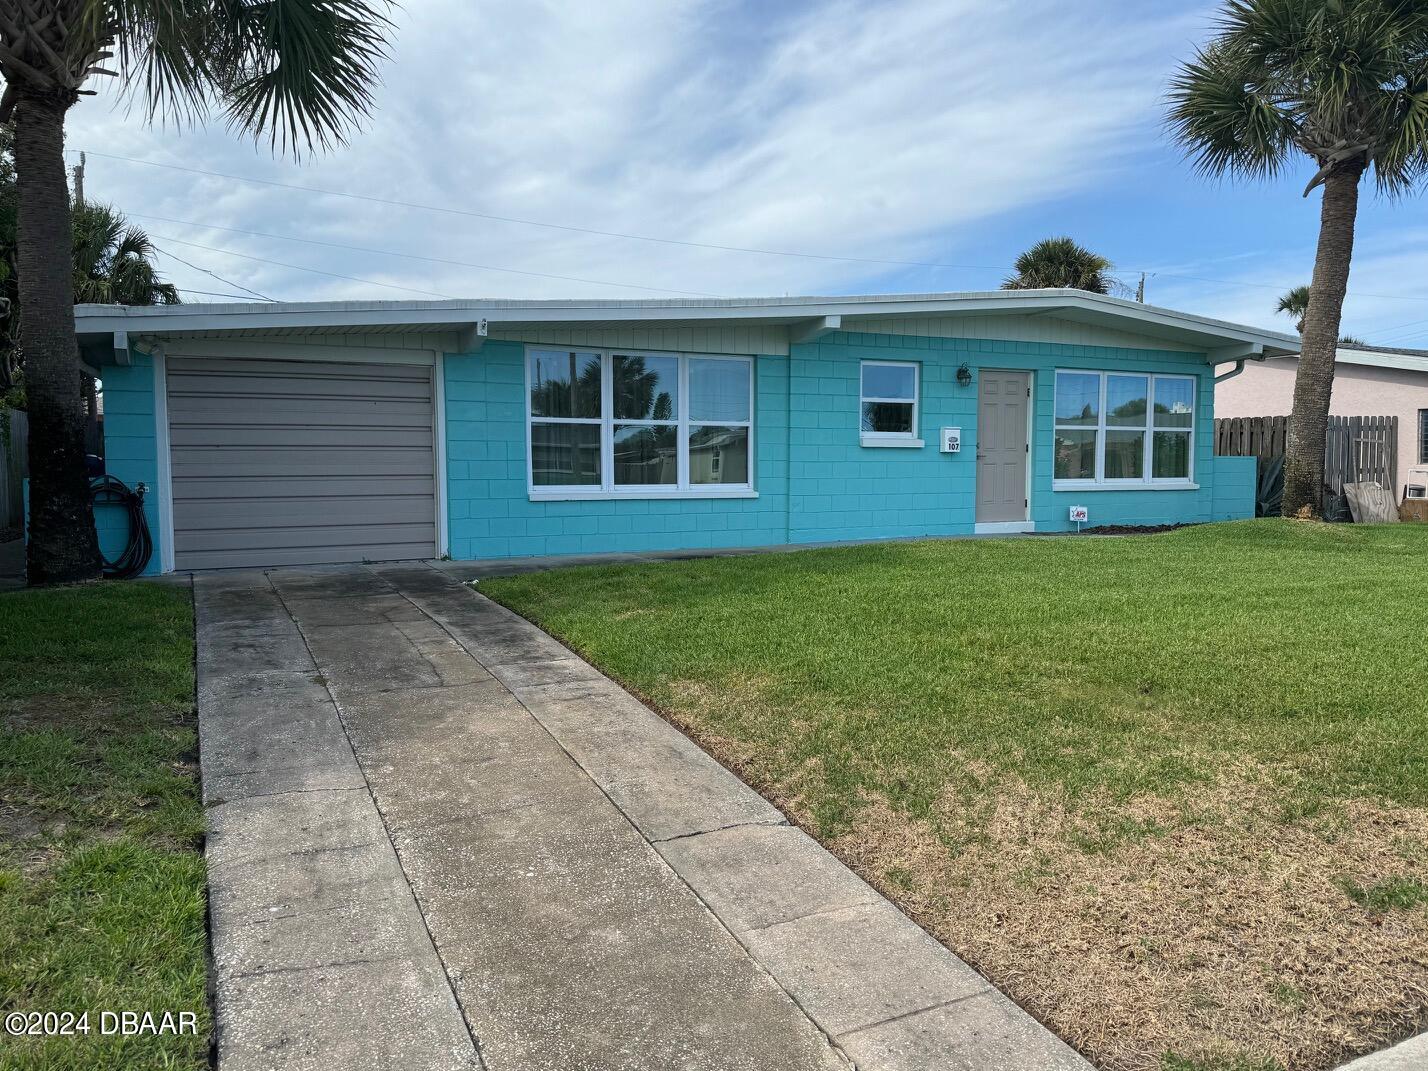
130 452
816 482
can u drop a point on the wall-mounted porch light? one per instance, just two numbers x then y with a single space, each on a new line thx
964 375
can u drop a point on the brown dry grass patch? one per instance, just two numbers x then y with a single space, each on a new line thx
1204 926
1216 925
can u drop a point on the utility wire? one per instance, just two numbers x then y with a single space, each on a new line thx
675 241
214 275
539 223
414 256
214 293
301 267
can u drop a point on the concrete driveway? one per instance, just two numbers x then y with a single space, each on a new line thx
440 840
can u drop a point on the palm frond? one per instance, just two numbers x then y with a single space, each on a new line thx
1060 263
114 261
1224 119
1342 81
1295 303
161 49
300 72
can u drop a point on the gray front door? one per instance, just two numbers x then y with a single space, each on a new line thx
1002 448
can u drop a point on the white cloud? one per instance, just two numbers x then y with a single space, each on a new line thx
871 130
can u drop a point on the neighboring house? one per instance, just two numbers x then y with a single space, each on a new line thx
282 434
1368 381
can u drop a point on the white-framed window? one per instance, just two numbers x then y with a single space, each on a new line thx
1123 429
607 423
888 401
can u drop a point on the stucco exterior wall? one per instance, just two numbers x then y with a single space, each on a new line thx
1267 389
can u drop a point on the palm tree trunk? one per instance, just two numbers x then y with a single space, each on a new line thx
1314 382
63 545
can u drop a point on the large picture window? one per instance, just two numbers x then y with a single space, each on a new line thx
1121 429
606 422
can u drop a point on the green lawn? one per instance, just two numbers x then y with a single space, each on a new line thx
1214 730
101 871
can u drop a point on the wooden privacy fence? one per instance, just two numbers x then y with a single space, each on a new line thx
14 451
1359 449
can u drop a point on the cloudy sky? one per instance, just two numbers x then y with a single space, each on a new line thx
837 137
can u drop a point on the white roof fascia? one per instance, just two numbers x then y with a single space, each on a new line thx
1076 304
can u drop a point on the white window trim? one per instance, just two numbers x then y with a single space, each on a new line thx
1146 482
607 488
905 439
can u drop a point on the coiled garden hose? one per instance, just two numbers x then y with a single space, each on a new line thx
107 491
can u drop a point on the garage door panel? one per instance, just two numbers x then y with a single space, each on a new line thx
224 409
298 463
257 435
244 559
264 385
356 537
281 368
208 513
289 486
200 461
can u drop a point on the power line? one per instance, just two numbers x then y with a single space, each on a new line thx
447 210
214 293
211 274
539 223
414 256
302 267
1390 334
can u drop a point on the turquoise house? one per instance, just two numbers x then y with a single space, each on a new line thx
294 434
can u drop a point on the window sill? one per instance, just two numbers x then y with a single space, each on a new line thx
892 444
644 494
1079 486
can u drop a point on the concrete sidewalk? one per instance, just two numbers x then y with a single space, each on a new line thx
441 840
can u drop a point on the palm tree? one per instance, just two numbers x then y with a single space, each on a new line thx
1059 263
297 72
1344 83
1295 303
114 261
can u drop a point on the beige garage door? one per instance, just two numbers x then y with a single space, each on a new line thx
300 462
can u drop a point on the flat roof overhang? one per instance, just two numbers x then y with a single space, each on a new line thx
105 330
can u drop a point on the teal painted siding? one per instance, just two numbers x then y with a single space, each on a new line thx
491 515
1236 485
130 451
816 482
840 489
